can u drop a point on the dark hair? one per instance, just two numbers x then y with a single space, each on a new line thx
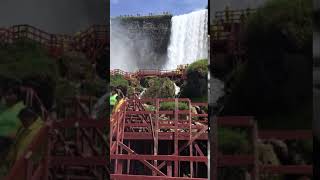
14 90
28 113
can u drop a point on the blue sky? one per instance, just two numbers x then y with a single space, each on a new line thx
144 7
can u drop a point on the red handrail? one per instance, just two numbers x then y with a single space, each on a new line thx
85 41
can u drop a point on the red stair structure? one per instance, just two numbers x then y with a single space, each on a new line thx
158 144
251 161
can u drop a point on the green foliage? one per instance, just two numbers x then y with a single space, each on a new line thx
272 29
275 84
172 105
26 62
76 66
233 141
160 88
26 59
66 89
119 82
200 67
96 88
304 147
196 85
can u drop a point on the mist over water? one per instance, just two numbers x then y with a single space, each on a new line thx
131 51
121 51
189 39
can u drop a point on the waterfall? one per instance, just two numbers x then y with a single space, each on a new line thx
142 93
189 39
100 107
176 89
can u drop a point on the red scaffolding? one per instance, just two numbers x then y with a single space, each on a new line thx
158 144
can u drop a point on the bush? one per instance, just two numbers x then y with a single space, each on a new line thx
273 30
26 59
233 141
276 79
172 105
196 84
199 67
160 88
94 88
119 82
29 64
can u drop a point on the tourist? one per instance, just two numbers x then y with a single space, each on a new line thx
9 124
113 100
31 124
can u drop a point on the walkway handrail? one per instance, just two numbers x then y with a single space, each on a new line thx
150 72
84 41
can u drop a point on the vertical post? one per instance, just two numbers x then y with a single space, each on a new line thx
190 137
255 170
213 144
176 152
169 168
169 163
117 140
156 129
46 155
128 161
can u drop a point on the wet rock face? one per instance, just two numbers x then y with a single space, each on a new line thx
156 28
267 154
281 149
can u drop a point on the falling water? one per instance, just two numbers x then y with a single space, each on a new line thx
176 89
189 39
142 93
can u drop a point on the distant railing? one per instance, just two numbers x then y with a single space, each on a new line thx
180 71
56 43
233 16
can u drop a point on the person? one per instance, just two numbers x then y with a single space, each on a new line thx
31 125
113 100
120 95
9 121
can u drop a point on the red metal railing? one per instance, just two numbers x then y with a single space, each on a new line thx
94 39
181 73
233 16
135 124
252 160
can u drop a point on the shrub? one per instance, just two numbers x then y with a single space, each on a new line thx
172 105
232 141
160 88
119 82
196 84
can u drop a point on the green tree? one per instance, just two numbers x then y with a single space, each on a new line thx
276 83
160 88
196 84
119 82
